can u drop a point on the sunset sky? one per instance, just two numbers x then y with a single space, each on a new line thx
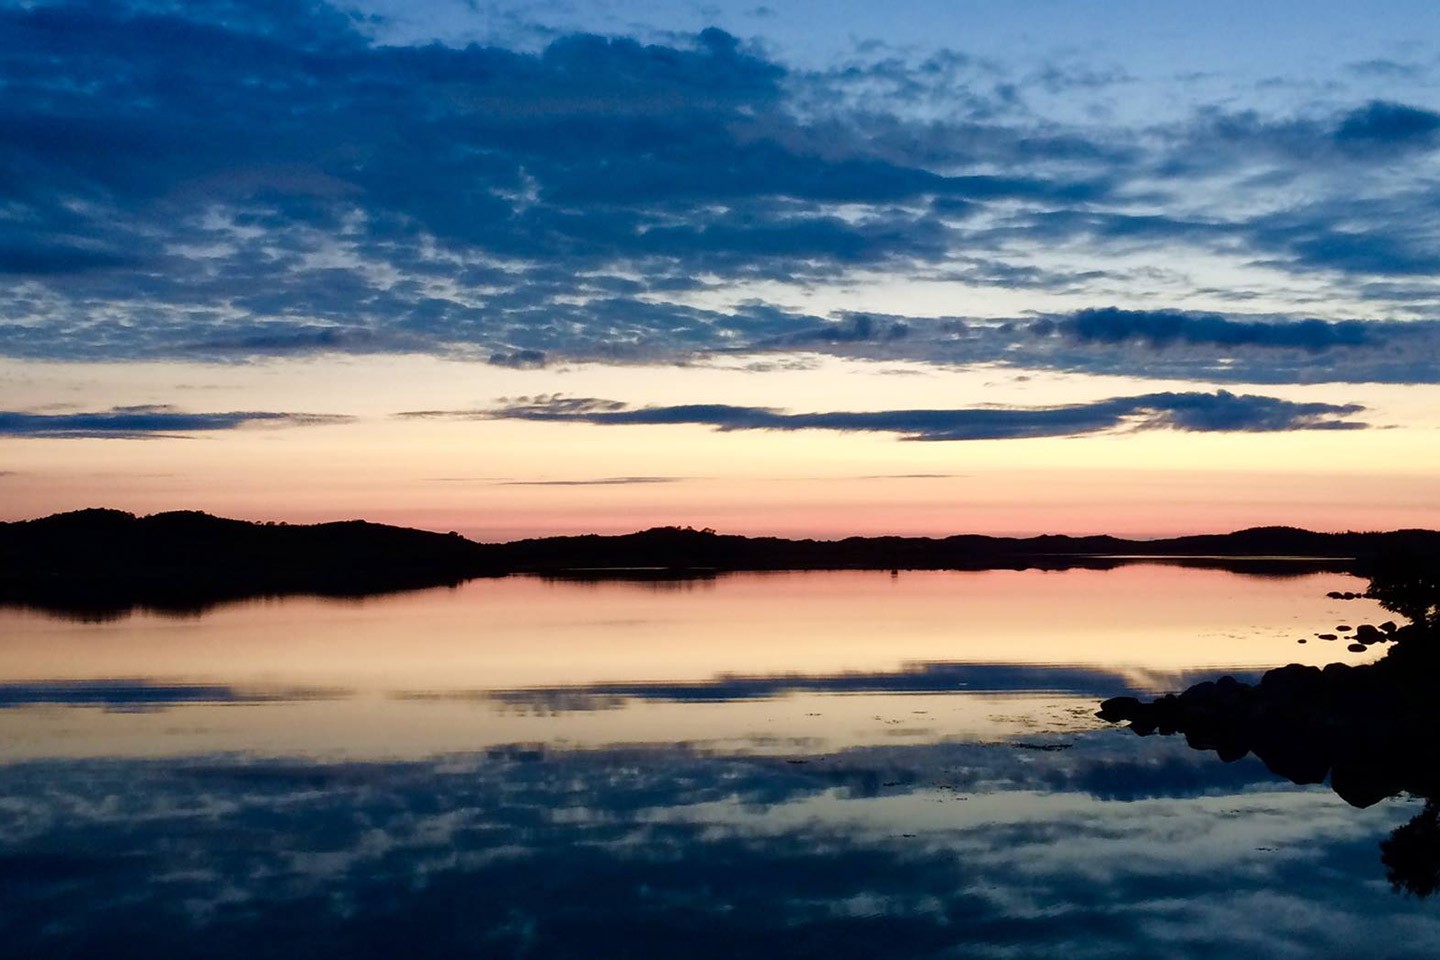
803 268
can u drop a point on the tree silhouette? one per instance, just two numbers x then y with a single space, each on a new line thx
1410 586
1412 854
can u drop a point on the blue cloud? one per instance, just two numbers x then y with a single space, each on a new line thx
1161 328
1389 125
572 200
519 359
147 421
859 328
1221 411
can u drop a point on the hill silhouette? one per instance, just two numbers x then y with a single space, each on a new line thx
185 560
102 559
1260 549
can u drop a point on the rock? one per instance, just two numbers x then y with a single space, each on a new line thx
1368 634
1362 784
1291 681
1200 691
1119 708
1356 648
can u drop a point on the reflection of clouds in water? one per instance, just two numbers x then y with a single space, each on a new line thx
918 678
895 851
147 694
912 678
151 694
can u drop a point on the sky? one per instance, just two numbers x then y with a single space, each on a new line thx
809 269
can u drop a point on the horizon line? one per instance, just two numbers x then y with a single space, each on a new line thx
747 536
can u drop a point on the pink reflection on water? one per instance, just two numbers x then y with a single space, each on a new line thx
421 671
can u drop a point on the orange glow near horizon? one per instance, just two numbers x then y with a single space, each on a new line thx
506 479
999 503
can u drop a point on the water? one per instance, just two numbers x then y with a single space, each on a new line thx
840 764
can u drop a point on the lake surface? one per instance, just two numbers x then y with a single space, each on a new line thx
797 764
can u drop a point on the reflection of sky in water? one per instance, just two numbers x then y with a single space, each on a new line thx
1110 847
757 659
793 765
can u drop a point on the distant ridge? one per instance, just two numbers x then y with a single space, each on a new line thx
105 559
186 559
682 547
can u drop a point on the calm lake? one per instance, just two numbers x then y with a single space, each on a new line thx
797 764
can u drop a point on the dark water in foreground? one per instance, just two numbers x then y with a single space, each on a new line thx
834 765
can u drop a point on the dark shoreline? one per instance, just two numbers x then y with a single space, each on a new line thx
100 561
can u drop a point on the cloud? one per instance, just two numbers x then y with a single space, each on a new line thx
1391 125
1295 145
860 328
591 149
1220 411
284 339
1161 344
518 359
912 476
148 421
1161 328
597 482
507 482
1388 69
579 198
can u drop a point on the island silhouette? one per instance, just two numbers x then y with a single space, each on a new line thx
1369 730
99 560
